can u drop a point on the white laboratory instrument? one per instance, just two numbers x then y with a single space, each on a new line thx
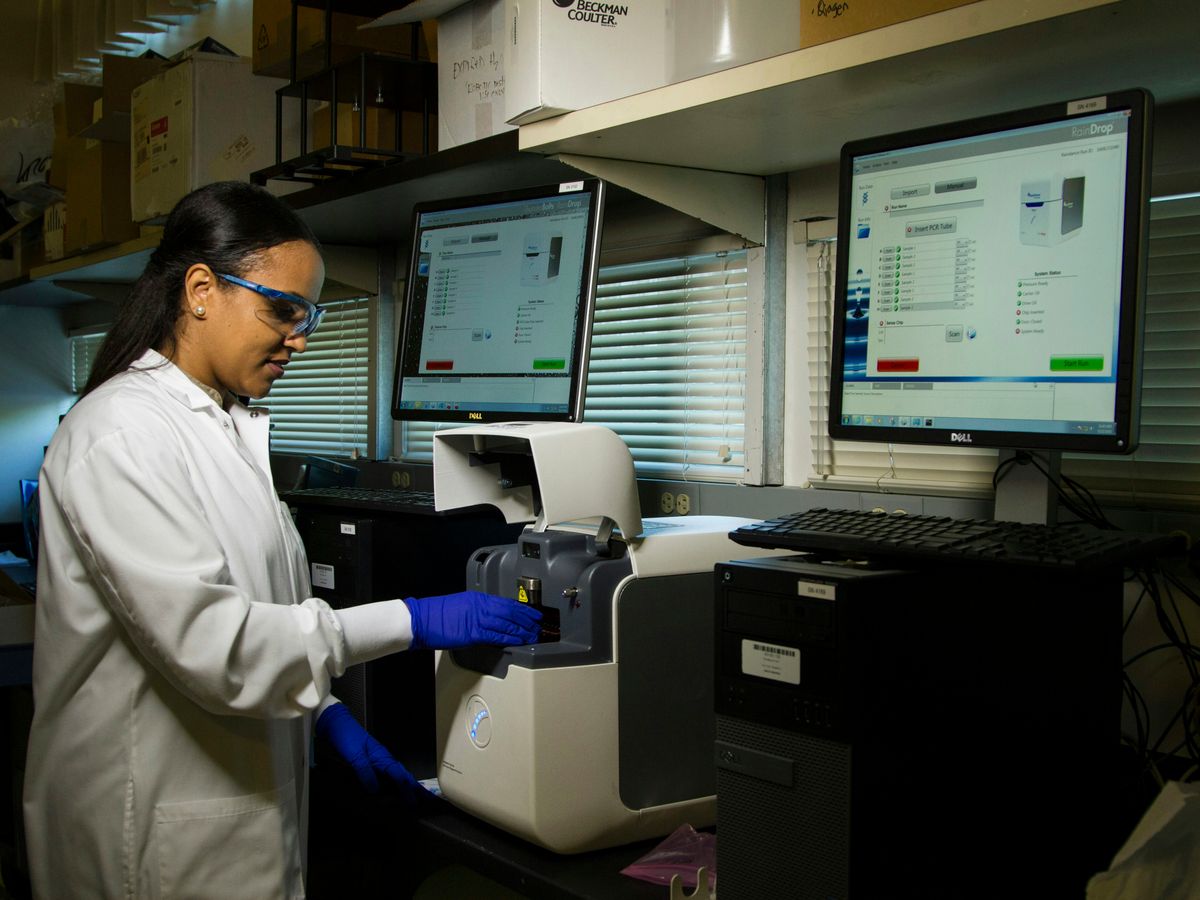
603 732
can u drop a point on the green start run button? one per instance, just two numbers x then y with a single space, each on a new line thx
1076 363
541 365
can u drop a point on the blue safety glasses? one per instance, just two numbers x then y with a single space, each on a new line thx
288 313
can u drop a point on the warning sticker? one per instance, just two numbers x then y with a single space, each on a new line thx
771 661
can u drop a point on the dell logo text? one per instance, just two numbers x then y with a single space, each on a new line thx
960 437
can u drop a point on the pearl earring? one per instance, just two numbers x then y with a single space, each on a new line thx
200 312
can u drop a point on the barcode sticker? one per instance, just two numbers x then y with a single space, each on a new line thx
322 576
771 661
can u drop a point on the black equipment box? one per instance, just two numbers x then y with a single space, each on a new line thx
944 732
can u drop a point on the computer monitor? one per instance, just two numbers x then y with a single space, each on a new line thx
498 306
990 278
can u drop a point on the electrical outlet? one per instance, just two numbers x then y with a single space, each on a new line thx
667 502
683 504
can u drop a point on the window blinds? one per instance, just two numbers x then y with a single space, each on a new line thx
84 348
667 370
863 464
668 364
1165 470
322 404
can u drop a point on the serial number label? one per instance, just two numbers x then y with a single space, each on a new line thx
322 576
771 661
816 589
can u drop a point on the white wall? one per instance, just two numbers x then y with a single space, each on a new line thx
228 21
35 389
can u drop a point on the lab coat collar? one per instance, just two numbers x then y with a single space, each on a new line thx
253 425
251 422
173 380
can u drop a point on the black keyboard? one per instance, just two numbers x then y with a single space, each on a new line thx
899 539
394 500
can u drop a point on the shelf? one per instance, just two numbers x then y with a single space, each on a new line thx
370 208
326 164
118 263
373 84
375 207
103 274
794 111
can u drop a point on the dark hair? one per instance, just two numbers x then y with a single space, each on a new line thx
224 225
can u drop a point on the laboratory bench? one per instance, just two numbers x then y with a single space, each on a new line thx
451 836
365 847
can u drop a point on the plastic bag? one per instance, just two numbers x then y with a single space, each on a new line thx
682 853
1161 858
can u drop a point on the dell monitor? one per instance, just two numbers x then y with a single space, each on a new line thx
990 278
498 306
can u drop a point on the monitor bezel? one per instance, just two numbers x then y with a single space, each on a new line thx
584 314
1140 104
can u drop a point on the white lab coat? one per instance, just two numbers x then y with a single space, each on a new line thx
175 655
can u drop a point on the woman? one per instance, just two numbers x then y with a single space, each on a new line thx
177 650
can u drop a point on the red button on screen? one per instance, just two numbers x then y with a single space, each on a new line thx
898 364
439 365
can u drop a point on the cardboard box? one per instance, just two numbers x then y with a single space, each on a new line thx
72 114
16 258
57 176
381 128
111 111
429 30
562 58
471 73
207 118
711 35
272 39
121 74
54 224
77 109
829 21
21 248
97 195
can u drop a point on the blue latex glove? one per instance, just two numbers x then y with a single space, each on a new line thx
375 767
469 618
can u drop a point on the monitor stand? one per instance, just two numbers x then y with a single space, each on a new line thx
1025 493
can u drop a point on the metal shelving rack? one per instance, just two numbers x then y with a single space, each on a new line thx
394 82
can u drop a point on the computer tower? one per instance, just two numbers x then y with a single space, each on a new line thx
951 731
359 556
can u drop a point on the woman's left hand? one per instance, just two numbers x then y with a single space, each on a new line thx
374 766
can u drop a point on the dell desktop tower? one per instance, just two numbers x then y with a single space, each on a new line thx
946 732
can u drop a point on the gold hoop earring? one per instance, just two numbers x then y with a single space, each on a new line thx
200 312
